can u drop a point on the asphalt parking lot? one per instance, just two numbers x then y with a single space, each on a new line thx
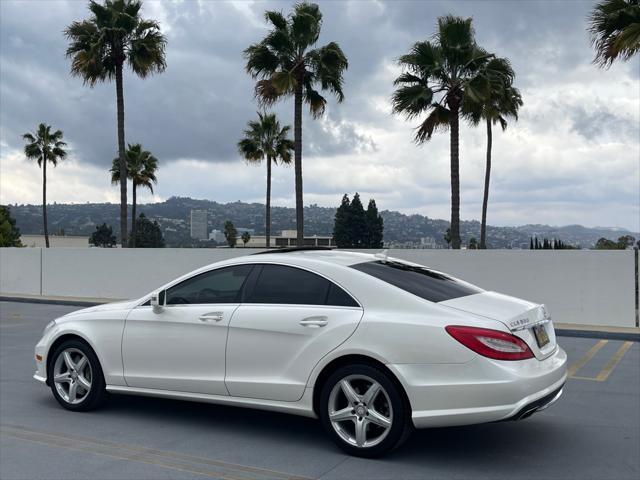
592 432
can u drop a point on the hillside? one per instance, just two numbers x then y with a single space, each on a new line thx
173 216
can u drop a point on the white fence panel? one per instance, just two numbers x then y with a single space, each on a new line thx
582 286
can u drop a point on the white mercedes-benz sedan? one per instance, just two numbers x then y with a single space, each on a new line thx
373 346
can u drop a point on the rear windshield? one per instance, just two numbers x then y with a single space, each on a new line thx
425 283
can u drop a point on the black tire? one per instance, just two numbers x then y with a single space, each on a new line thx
401 426
97 393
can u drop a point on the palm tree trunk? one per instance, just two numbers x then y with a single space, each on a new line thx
44 198
455 175
297 133
122 157
268 212
485 200
133 217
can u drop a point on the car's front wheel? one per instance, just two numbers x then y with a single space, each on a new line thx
75 376
364 411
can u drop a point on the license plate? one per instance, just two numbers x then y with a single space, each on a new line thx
541 335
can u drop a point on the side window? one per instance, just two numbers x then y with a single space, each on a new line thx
339 297
293 286
281 284
217 286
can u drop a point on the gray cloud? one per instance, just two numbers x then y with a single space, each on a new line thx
198 108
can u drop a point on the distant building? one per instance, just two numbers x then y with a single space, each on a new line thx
428 242
217 236
55 241
199 224
241 230
287 238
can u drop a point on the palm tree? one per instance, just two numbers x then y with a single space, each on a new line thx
502 103
286 65
265 139
44 146
440 75
614 26
99 47
141 170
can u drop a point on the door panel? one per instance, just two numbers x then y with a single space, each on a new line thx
272 349
182 348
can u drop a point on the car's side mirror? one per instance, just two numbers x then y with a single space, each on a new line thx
157 301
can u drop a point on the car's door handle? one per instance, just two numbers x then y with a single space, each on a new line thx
314 322
211 317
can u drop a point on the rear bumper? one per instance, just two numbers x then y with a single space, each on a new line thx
482 390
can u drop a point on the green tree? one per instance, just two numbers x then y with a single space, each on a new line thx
141 170
103 236
530 243
341 225
626 241
447 237
101 46
246 236
606 244
265 139
375 226
473 244
230 233
148 233
358 223
9 233
44 147
614 26
286 64
439 76
503 102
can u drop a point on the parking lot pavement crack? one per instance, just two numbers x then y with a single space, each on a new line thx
324 474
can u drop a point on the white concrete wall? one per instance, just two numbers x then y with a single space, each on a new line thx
591 287
20 270
584 287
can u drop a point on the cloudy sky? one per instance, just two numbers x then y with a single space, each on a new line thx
573 157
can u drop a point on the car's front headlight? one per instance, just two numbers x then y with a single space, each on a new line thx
49 326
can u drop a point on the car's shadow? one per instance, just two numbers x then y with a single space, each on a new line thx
466 446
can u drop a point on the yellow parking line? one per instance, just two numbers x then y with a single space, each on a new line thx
588 356
606 371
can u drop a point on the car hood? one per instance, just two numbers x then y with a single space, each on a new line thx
124 305
515 313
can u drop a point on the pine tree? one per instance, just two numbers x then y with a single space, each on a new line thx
148 233
375 226
530 243
230 233
341 225
358 223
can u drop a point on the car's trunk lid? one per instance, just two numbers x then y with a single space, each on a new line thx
519 316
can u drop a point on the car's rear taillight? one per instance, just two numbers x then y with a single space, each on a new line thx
491 343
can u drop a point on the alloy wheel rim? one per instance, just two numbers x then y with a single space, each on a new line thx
360 411
72 375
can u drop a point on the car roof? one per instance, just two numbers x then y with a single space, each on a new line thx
336 257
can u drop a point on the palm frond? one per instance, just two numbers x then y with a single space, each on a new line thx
317 103
614 27
437 120
412 100
306 23
261 61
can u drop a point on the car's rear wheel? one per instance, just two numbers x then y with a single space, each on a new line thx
364 411
75 376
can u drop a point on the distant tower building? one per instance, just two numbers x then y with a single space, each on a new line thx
199 224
